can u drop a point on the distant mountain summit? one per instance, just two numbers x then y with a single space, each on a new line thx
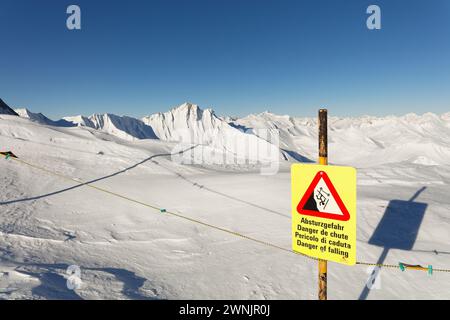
5 109
189 123
186 122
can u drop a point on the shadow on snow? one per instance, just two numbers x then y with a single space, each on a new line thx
397 229
92 181
53 284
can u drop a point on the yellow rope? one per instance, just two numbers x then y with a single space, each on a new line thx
234 233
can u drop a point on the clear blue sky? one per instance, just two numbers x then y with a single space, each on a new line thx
138 57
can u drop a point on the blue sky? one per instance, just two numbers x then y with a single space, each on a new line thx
138 57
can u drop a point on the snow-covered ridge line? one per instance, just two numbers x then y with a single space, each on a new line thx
365 119
188 123
187 119
40 118
422 139
192 112
5 109
127 128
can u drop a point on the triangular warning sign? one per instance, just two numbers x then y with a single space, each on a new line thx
322 200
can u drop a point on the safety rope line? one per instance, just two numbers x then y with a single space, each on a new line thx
234 233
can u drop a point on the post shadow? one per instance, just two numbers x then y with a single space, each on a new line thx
397 229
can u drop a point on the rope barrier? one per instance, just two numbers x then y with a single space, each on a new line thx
401 266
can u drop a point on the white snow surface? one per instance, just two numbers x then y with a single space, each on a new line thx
42 119
126 128
128 251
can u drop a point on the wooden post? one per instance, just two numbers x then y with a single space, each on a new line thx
323 159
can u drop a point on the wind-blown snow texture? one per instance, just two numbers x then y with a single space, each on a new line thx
127 251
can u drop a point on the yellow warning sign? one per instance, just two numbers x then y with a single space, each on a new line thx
324 212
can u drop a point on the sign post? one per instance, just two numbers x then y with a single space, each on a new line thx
323 160
324 210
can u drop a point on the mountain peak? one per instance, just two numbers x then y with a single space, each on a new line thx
5 109
187 106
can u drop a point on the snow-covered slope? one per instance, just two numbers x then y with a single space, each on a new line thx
5 109
189 123
126 128
129 251
294 134
186 122
363 140
415 138
80 121
40 118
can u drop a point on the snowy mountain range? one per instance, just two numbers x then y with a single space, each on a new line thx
416 138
